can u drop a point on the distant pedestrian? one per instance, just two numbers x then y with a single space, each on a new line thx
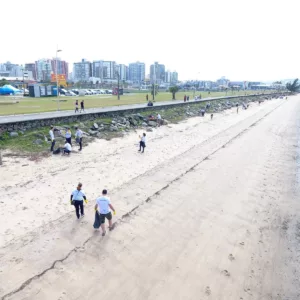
188 98
51 133
202 112
77 198
76 107
184 98
211 116
78 137
147 97
142 143
159 120
67 148
103 207
82 105
237 108
68 136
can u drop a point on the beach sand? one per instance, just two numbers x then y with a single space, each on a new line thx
209 211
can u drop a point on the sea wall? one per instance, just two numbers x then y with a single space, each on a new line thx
93 115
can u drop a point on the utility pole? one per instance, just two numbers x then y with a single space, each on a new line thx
118 85
57 79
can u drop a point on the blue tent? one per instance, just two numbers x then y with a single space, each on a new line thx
8 90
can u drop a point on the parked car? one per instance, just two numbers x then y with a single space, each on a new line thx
75 91
69 93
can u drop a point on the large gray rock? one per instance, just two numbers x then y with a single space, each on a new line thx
13 134
165 122
93 132
152 123
149 129
133 122
95 125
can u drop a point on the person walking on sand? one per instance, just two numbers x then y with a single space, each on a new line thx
78 137
77 198
51 133
184 98
142 143
159 120
103 207
76 107
82 106
68 136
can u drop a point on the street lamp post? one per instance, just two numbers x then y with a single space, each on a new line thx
57 50
23 82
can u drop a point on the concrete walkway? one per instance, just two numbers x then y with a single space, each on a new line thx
68 113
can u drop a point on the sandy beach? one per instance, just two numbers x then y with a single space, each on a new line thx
209 211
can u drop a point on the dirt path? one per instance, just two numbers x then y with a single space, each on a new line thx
216 220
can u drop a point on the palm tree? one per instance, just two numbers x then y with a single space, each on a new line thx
293 87
173 90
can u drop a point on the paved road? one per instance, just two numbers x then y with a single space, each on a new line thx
68 113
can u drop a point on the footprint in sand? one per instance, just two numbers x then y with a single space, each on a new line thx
207 291
226 273
242 243
231 257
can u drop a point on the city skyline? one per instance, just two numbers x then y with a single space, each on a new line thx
200 40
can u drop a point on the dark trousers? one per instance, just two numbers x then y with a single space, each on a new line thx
52 145
80 144
79 204
69 140
142 145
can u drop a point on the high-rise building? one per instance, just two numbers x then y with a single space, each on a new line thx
136 72
62 67
31 68
174 77
97 69
43 69
123 71
157 73
82 71
109 70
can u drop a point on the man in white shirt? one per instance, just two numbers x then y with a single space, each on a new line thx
51 133
67 148
78 137
77 198
159 120
103 207
142 143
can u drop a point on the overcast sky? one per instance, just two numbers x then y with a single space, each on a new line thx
239 39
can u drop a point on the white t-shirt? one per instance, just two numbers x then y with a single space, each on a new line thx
51 135
78 195
144 139
68 146
158 117
103 205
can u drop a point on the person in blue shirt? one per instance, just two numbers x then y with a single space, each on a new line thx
77 198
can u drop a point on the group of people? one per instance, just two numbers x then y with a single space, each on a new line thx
67 148
103 208
77 106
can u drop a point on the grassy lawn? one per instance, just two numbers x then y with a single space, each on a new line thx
35 105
